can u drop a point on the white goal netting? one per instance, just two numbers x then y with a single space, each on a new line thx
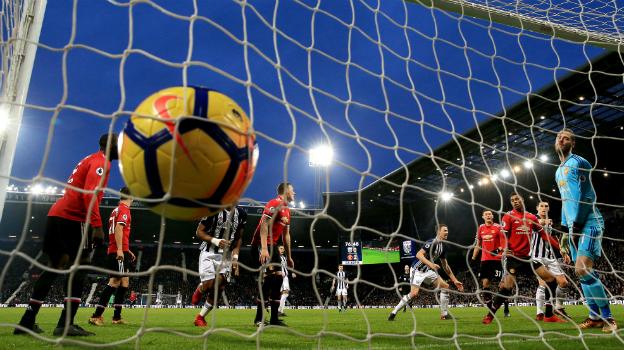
434 110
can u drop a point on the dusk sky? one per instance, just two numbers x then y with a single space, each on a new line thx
365 99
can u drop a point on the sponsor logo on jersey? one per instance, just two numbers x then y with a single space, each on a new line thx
99 171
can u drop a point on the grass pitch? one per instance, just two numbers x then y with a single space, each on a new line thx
374 256
324 329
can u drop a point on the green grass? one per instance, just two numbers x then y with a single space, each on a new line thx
326 329
374 256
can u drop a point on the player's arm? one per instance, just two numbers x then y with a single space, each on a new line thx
202 234
286 241
119 240
506 231
477 247
94 179
585 197
421 256
449 272
236 250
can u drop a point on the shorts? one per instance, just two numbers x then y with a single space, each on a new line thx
121 268
553 265
590 243
419 278
285 285
274 263
491 270
341 291
63 237
210 263
516 265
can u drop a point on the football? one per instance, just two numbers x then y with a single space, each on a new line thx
187 151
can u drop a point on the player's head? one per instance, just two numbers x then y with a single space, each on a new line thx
281 249
516 201
442 232
340 267
406 268
112 155
565 141
287 191
125 194
488 217
543 208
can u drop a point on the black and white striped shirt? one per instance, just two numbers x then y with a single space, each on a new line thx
284 264
541 249
434 250
224 225
341 280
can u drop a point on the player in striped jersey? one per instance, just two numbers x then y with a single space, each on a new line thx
404 279
542 252
424 273
585 228
218 233
340 284
285 282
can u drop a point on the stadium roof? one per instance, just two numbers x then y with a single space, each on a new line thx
589 100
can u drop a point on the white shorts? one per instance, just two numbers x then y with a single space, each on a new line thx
553 265
285 285
341 291
210 263
418 278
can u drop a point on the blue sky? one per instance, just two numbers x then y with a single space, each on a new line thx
448 80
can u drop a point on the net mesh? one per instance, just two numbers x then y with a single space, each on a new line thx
433 115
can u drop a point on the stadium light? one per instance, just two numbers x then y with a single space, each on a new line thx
302 205
516 169
505 173
446 196
37 189
528 164
471 186
321 156
494 177
543 158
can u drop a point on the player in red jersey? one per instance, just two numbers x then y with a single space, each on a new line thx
491 241
274 224
64 239
519 226
119 259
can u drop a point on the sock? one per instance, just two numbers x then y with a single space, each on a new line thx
274 307
594 311
282 302
206 309
549 292
120 295
262 299
276 284
594 292
499 299
486 296
259 310
560 294
40 292
73 301
404 301
103 300
339 304
540 299
506 305
444 301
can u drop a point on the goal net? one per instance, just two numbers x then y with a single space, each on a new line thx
390 118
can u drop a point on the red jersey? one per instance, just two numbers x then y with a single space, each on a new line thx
133 296
119 216
519 226
278 211
491 238
87 176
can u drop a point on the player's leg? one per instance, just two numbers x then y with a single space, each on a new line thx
407 298
207 275
549 292
54 246
285 288
344 299
200 290
505 288
443 299
120 296
96 318
540 299
561 293
486 293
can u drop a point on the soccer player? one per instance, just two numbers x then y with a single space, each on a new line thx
518 226
64 239
341 285
424 273
274 224
119 259
285 289
543 253
216 260
159 298
179 300
585 228
404 279
132 299
491 241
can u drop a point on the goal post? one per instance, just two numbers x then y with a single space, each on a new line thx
489 11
